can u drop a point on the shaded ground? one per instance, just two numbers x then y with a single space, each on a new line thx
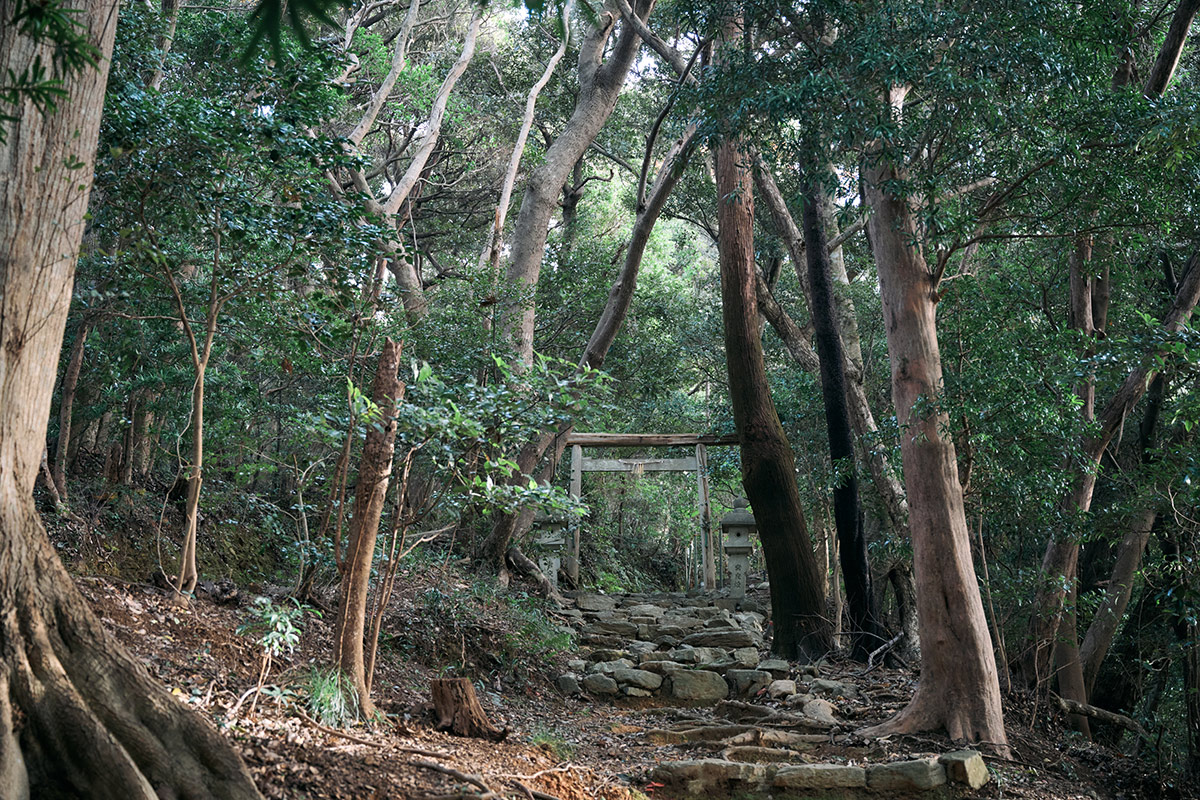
557 747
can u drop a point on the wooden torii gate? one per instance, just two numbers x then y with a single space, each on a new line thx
697 463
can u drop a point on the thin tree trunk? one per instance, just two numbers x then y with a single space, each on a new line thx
495 238
66 406
959 688
620 297
370 495
1062 553
768 465
79 717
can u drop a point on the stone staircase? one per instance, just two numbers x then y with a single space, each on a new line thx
764 726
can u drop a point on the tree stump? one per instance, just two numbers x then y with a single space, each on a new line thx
458 710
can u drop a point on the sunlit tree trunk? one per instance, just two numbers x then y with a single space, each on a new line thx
959 688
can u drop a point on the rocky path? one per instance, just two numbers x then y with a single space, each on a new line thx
761 726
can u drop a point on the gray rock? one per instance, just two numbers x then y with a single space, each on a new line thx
820 711
639 646
781 688
662 667
607 654
615 627
820 776
809 669
710 776
576 665
747 657
720 637
595 602
640 678
697 655
567 684
700 686
965 766
708 612
645 631
646 610
727 603
747 681
798 700
602 640
906 776
597 683
687 623
655 656
776 666
634 691
608 667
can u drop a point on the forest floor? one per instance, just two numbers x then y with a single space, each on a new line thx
557 747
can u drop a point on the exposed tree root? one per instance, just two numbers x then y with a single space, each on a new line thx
78 716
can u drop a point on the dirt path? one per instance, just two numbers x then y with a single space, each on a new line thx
570 748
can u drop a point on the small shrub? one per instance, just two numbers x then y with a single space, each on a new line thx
332 700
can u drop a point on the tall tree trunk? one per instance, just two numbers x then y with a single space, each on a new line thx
1108 616
66 406
79 717
959 688
852 542
374 472
495 546
883 476
768 465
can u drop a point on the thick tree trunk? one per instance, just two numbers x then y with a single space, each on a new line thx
768 465
374 471
78 716
847 513
959 688
883 476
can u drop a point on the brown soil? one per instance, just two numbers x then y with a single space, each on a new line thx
557 747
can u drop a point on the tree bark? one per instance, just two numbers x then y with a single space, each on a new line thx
616 308
768 465
78 716
374 472
959 688
847 513
459 712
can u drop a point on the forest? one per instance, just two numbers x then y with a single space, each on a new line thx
610 399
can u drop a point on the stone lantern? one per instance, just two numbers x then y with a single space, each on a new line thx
550 540
736 526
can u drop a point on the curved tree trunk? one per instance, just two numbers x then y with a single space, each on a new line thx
959 688
768 465
78 716
600 83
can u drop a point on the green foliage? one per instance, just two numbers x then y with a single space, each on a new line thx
332 699
275 627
